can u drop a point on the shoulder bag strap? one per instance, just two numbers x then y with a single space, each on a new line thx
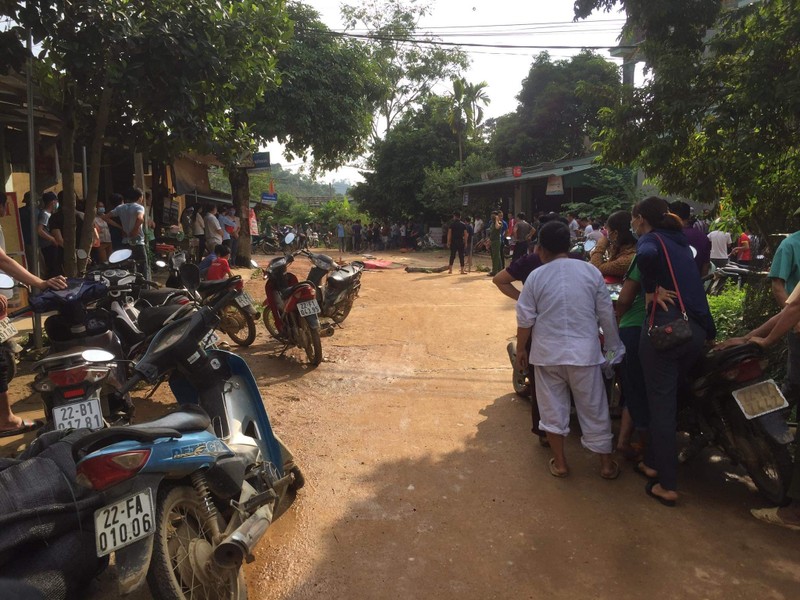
674 282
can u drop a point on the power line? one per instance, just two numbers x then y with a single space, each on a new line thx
535 24
378 38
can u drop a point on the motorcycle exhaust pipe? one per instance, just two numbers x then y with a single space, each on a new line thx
239 545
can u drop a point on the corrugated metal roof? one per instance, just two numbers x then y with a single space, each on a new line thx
566 169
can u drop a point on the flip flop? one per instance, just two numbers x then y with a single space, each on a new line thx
614 473
771 516
24 428
649 489
637 468
555 472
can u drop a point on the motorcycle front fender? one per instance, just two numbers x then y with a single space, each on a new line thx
776 426
313 321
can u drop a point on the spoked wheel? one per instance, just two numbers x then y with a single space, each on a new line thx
519 379
182 567
310 342
269 322
239 325
11 363
343 310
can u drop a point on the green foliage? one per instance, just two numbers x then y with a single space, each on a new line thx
329 91
408 70
441 194
421 140
718 120
728 311
618 191
557 111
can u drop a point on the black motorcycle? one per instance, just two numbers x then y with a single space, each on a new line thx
732 405
340 289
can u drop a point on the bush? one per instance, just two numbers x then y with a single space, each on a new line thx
728 312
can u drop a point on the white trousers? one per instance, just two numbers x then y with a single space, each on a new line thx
553 386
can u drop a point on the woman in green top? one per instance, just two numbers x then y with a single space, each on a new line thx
495 233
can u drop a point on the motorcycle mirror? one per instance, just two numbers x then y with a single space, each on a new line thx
161 264
81 254
694 251
289 238
190 276
95 355
6 283
253 264
589 245
120 256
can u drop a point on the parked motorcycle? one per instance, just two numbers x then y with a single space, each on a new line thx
188 497
341 287
9 348
291 312
266 244
733 407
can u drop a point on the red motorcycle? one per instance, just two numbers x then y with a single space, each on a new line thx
291 313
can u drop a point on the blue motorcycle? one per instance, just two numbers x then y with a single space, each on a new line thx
188 496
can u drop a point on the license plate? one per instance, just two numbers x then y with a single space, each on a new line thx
760 399
85 413
244 299
7 330
210 340
123 523
308 308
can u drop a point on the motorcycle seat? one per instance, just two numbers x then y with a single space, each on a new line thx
208 288
157 297
190 417
718 359
152 319
286 292
344 276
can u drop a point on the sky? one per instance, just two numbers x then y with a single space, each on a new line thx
545 23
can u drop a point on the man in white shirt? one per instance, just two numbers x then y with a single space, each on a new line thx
560 306
213 229
574 226
720 242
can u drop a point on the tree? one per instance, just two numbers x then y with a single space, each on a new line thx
466 110
441 191
324 104
718 119
160 76
421 139
617 191
408 67
558 109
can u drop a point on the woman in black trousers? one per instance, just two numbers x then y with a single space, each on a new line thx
662 240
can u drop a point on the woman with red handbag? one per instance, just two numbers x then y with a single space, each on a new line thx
673 336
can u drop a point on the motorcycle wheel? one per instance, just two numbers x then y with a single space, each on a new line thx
312 343
519 379
341 314
181 567
11 363
269 322
238 325
768 463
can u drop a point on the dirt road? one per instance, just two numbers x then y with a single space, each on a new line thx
424 480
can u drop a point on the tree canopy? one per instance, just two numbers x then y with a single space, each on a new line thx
718 120
408 68
558 109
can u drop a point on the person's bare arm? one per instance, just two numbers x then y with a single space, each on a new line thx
504 282
466 237
137 226
779 291
449 237
523 335
59 239
12 268
627 296
44 234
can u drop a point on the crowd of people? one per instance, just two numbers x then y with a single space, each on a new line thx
659 253
124 221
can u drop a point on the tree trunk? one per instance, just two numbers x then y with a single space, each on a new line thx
95 165
240 190
68 177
